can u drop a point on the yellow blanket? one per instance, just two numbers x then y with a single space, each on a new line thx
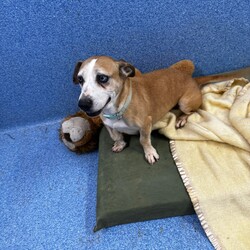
212 153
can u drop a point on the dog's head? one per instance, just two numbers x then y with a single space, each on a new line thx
101 79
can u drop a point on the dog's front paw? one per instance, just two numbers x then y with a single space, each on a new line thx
118 146
151 155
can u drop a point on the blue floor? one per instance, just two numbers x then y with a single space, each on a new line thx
48 199
47 193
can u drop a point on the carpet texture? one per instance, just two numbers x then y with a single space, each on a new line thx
42 40
48 200
48 194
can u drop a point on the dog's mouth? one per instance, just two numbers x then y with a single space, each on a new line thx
96 113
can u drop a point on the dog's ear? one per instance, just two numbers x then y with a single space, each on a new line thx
76 70
126 69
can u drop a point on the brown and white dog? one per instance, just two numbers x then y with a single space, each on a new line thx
130 102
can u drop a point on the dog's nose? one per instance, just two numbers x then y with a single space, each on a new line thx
85 104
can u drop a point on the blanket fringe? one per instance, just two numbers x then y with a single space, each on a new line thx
193 197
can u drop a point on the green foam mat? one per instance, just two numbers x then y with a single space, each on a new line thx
131 190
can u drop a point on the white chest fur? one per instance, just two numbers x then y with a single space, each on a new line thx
121 126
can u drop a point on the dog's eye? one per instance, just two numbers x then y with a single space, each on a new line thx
80 79
102 78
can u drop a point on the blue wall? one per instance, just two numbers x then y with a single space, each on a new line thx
40 42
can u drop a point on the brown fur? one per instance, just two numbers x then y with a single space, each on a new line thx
157 92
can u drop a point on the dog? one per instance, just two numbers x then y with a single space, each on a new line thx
131 102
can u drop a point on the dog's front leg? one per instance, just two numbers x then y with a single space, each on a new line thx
145 139
119 143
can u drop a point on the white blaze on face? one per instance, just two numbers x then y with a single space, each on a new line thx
88 74
91 89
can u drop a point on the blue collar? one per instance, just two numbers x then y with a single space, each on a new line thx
119 114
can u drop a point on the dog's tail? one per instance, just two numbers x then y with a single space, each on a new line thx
245 72
186 66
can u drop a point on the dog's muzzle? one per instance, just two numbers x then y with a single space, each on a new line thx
86 104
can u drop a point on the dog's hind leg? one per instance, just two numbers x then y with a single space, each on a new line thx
145 139
188 103
182 120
